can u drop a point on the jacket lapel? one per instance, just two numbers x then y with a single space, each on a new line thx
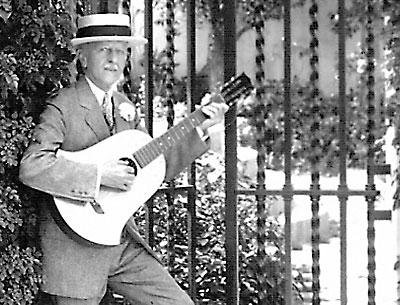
93 116
120 123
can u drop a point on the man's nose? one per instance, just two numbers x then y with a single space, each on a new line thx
112 55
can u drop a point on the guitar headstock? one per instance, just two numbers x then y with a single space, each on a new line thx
239 86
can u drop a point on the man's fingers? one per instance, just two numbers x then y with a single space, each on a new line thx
206 99
215 110
209 112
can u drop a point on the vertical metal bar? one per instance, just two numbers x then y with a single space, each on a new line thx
148 33
288 194
231 240
315 153
170 63
315 240
370 71
342 189
191 96
263 290
169 84
149 94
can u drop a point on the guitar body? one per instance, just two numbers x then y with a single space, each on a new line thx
104 226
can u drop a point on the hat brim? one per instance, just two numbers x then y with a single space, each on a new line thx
131 40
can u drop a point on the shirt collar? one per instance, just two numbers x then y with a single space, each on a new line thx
99 93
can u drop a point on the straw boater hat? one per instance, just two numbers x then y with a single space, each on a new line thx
105 27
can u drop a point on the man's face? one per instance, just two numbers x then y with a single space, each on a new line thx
104 62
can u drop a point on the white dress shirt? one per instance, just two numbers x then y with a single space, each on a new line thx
99 93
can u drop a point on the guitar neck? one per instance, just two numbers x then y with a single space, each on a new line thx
228 94
160 145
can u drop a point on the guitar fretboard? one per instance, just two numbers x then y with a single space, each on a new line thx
147 153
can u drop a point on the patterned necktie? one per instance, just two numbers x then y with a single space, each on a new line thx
108 109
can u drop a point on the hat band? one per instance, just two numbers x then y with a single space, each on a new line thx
103 30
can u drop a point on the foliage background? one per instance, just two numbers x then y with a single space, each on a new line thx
34 59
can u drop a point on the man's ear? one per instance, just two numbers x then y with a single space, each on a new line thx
82 58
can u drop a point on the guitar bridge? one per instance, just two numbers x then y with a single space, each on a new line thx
96 207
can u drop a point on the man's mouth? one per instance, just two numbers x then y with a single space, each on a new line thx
112 69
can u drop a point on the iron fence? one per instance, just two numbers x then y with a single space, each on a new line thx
342 192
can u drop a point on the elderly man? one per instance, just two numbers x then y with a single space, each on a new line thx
76 272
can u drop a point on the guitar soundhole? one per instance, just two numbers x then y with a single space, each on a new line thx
131 163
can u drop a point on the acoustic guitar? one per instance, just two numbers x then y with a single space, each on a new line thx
101 221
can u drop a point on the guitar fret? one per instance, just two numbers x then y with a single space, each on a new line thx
191 123
148 153
144 155
165 143
174 132
173 138
170 139
161 145
182 129
198 120
139 159
157 149
188 125
152 151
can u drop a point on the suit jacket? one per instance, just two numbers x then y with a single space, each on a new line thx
73 121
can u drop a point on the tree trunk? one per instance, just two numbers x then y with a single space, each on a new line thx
215 61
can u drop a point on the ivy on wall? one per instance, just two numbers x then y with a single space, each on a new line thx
34 64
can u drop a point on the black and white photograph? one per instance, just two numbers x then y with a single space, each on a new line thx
199 152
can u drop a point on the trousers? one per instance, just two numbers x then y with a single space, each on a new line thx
140 278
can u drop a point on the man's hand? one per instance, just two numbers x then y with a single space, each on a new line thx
117 174
214 110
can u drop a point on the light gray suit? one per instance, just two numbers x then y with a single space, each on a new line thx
73 121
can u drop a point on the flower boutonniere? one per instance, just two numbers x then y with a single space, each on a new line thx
127 111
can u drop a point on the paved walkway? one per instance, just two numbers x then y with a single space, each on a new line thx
357 284
387 232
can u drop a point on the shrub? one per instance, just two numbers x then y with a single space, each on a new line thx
19 275
210 229
34 59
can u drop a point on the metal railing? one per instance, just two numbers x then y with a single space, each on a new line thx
315 193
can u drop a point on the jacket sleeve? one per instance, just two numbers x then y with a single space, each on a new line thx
42 169
181 156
